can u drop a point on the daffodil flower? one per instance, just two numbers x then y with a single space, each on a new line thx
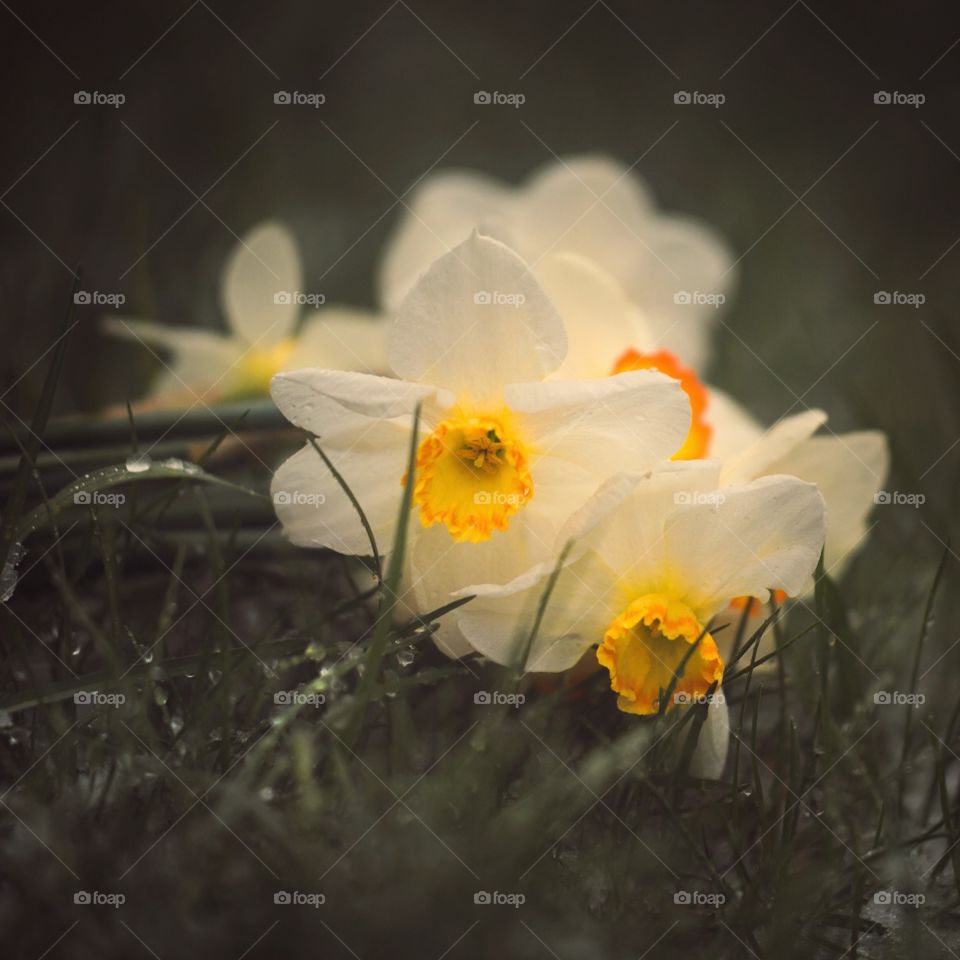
656 557
620 273
670 266
503 457
262 299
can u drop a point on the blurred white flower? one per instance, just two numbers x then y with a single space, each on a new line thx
656 556
503 457
672 269
262 300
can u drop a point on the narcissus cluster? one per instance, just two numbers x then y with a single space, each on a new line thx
549 342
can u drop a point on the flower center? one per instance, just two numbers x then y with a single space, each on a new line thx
472 475
643 648
698 438
250 377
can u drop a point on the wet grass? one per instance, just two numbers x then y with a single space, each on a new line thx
204 720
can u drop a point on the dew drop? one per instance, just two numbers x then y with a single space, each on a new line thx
8 577
138 462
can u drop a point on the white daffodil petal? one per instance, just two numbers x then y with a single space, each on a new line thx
734 428
611 425
710 756
681 278
313 507
589 205
623 521
443 211
476 320
748 540
341 338
321 400
197 359
772 446
260 281
848 470
584 599
601 322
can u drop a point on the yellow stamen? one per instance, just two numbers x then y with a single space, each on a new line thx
643 648
472 475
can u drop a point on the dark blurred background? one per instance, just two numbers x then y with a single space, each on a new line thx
827 196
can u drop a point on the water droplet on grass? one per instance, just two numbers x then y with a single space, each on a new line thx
8 577
138 462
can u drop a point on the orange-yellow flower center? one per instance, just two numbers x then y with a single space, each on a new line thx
697 443
644 647
472 476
